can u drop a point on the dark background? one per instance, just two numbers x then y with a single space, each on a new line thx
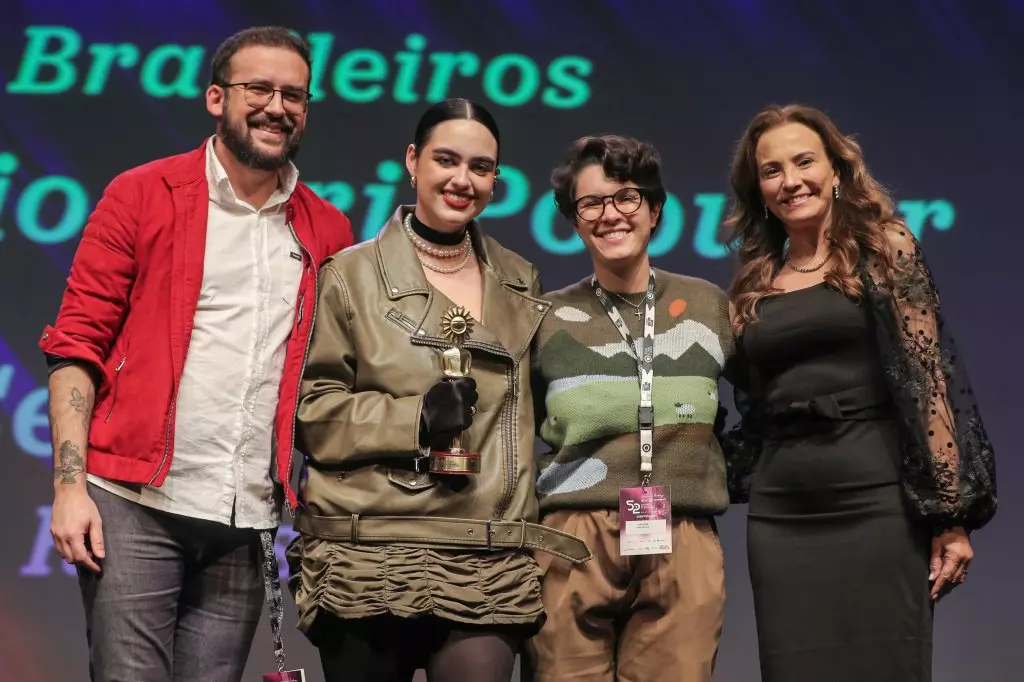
932 89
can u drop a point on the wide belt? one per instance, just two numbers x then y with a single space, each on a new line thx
443 532
861 402
856 404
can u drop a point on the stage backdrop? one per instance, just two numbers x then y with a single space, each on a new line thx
932 90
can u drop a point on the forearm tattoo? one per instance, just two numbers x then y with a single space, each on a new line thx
82 404
70 463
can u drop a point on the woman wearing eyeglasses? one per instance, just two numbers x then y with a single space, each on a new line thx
419 514
625 378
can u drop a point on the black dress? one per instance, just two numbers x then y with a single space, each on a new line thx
839 571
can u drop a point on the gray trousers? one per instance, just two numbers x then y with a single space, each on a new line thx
178 599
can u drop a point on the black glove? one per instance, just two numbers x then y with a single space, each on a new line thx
447 410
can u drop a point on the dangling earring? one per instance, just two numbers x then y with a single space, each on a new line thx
490 196
835 191
766 211
412 181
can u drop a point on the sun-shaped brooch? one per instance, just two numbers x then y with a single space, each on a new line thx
456 324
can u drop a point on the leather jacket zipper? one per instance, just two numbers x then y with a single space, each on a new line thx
511 419
513 406
402 321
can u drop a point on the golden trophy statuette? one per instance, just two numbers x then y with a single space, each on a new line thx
456 325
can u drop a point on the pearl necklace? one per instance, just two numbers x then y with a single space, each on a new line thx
438 252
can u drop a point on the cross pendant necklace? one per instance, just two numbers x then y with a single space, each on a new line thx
637 308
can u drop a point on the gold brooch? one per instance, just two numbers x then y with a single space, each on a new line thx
456 324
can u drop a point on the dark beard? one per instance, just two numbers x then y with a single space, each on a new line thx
241 145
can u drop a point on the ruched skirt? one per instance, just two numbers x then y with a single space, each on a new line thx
358 581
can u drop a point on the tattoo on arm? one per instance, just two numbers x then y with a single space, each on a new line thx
82 404
71 463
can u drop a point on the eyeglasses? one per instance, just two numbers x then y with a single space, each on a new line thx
259 95
627 200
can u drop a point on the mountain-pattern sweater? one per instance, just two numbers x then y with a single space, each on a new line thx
587 392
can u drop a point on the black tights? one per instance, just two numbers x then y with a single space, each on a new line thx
392 649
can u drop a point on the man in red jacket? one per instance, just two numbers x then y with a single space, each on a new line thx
175 362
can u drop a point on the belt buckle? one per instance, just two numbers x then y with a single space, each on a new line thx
490 536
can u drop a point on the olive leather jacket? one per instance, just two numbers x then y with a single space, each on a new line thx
374 352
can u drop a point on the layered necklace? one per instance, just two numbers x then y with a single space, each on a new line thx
462 250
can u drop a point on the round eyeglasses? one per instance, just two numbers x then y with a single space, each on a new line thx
626 200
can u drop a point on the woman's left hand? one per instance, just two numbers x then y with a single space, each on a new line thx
951 557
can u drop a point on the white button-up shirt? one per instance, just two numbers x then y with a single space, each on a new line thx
224 423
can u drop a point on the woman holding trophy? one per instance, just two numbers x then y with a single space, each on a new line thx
418 517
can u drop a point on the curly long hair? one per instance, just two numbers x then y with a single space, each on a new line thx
858 216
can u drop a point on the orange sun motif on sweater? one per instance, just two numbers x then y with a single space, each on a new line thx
677 307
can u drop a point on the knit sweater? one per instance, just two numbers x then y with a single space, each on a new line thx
587 392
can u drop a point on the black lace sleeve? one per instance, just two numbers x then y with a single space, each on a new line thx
948 462
741 444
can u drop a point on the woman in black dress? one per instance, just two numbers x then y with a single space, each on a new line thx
867 461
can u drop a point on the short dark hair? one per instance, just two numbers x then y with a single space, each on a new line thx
453 108
624 159
265 36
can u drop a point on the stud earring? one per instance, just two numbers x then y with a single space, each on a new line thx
412 181
835 191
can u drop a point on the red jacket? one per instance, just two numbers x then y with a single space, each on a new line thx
131 298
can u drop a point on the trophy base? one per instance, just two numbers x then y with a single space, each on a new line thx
454 463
